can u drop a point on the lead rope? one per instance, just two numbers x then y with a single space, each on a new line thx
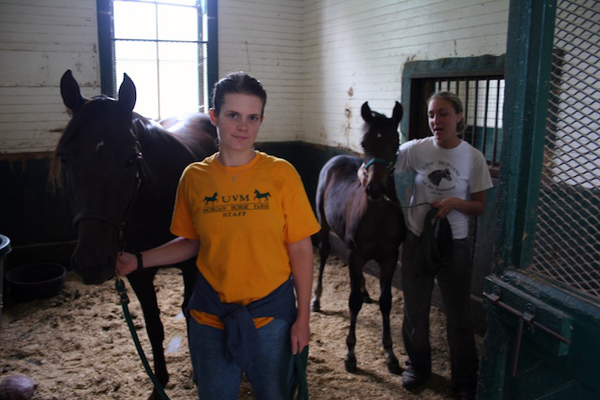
124 299
296 368
120 286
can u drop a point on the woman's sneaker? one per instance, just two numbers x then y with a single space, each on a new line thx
412 379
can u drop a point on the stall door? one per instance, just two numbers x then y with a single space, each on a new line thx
543 298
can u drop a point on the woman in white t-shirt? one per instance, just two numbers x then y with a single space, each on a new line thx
452 177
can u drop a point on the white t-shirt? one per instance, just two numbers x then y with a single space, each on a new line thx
442 173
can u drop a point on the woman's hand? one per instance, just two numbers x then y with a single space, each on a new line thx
300 335
446 205
362 175
126 263
475 206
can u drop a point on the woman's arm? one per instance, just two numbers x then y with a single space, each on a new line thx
177 250
475 206
301 260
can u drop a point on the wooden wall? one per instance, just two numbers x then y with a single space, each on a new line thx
319 61
39 41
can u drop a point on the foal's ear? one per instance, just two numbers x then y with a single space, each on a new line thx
69 90
365 111
127 94
397 113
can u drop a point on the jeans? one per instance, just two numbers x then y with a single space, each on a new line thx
454 281
219 380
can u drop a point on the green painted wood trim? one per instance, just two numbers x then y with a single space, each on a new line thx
446 67
578 360
528 60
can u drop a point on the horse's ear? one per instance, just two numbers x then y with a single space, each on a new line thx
69 90
127 94
398 112
365 111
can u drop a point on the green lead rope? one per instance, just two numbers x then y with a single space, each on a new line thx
300 384
120 286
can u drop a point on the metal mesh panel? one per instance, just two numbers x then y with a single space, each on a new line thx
567 243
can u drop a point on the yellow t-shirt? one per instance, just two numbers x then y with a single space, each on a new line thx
244 218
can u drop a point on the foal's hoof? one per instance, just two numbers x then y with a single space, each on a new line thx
316 306
367 299
394 367
350 366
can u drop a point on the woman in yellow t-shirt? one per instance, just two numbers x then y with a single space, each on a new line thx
246 216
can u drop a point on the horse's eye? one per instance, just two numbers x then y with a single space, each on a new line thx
63 159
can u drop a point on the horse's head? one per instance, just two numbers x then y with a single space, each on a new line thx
98 161
380 143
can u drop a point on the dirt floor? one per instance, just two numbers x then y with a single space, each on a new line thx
76 345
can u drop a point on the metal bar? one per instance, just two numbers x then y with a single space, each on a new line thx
475 115
495 141
495 299
485 115
517 347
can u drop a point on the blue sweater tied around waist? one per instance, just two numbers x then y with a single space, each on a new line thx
240 332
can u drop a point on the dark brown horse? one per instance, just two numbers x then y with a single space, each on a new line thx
368 219
121 172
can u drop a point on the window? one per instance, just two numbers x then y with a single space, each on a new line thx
164 47
478 81
483 100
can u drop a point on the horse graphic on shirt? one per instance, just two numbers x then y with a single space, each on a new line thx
210 199
259 196
436 176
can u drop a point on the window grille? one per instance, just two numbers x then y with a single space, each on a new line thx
161 45
567 240
483 101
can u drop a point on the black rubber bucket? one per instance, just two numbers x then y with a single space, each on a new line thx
35 281
4 250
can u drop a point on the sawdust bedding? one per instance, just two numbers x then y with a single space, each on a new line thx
76 345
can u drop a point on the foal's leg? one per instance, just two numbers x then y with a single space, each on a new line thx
387 269
366 297
355 303
143 286
324 249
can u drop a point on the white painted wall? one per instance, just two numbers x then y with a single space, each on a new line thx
265 39
354 51
39 41
318 60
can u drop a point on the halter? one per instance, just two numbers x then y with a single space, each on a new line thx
390 165
119 226
377 160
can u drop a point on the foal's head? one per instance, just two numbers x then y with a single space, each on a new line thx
380 143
